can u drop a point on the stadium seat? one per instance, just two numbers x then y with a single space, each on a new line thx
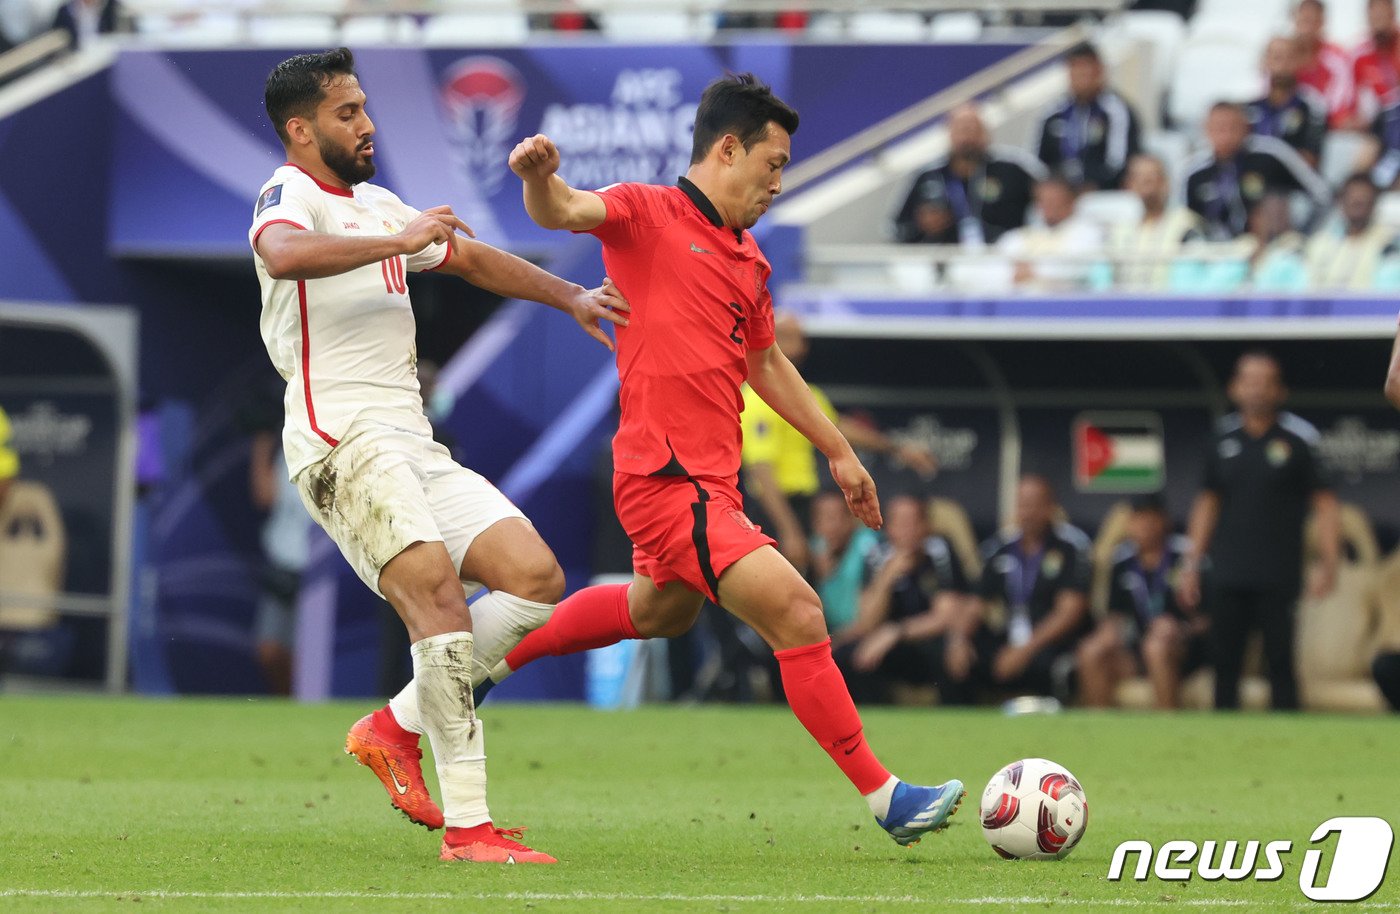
887 27
371 30
946 518
1213 66
954 27
1110 208
202 30
650 26
1337 634
1346 23
292 31
1388 209
33 556
1160 31
490 26
1340 151
1113 530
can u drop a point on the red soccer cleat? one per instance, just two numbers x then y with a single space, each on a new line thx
485 843
398 765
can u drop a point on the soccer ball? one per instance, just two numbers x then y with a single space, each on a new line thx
1033 809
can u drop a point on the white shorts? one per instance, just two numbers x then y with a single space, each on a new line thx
382 489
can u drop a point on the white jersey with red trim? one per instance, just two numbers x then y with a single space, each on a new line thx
345 343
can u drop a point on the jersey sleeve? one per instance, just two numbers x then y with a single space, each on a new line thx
630 213
991 586
432 257
761 334
759 423
1210 478
1313 475
285 202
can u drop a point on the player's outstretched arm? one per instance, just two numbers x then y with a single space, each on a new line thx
505 274
551 202
289 252
776 380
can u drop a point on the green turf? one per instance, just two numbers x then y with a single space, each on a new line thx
663 809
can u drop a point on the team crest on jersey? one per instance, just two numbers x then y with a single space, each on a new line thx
1278 452
1253 185
1052 563
389 227
270 197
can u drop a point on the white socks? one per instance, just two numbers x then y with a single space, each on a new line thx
879 798
442 672
499 622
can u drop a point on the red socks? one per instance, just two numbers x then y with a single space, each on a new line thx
593 617
387 726
817 693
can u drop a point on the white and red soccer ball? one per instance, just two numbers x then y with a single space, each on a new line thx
1033 809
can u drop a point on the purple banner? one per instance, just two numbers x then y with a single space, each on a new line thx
448 118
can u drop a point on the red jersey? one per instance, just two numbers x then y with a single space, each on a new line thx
700 302
1375 76
1330 74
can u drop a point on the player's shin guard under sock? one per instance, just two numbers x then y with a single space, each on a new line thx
500 621
818 696
593 617
442 672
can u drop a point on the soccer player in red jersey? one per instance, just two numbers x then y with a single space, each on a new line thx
701 324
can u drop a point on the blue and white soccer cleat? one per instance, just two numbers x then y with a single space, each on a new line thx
915 811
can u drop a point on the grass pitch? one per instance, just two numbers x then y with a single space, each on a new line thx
250 806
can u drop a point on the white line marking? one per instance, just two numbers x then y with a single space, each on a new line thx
674 896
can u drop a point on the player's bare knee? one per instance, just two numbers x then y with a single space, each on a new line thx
801 624
537 577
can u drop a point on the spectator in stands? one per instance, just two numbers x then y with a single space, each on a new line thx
1383 159
1323 66
1089 136
84 20
1161 233
780 465
1035 597
1145 630
1224 182
1289 111
840 546
1349 259
979 193
1276 261
1052 255
1374 73
1262 475
915 603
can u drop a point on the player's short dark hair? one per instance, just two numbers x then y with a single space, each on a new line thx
1083 51
1231 107
298 84
741 104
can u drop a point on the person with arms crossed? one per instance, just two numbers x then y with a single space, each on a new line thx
702 324
1262 475
332 253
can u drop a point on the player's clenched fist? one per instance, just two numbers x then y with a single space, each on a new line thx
433 226
535 157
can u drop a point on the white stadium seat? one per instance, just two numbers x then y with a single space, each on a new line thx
489 27
965 26
370 30
1213 67
664 26
293 31
1388 209
883 27
1110 208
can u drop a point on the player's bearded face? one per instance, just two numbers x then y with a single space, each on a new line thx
347 158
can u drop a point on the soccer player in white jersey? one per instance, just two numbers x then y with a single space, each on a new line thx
332 253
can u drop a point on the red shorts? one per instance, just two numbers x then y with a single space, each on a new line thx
685 528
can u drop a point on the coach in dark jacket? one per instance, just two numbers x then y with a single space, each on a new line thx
1263 474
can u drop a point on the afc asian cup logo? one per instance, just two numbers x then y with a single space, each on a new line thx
481 97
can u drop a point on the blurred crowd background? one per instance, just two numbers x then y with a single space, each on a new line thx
1059 269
